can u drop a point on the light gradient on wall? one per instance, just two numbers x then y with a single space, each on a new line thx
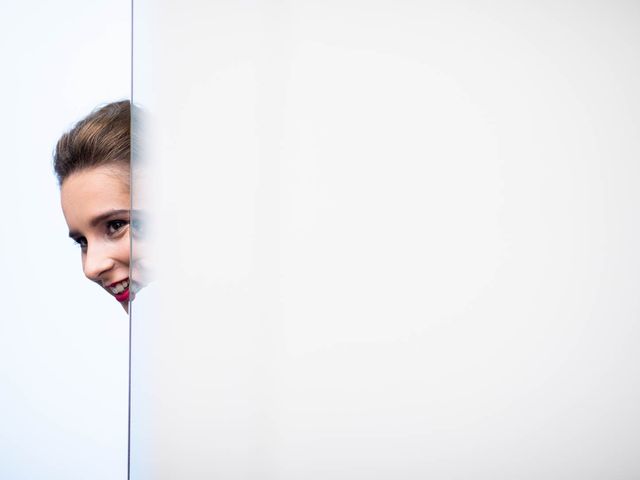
397 240
63 339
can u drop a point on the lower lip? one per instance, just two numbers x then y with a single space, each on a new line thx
123 296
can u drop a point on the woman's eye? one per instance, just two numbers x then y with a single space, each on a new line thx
114 225
81 242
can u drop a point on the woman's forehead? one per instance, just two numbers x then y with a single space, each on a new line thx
87 193
107 179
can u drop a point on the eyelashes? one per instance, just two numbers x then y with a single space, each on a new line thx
80 242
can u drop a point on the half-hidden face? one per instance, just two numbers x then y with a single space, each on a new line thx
96 206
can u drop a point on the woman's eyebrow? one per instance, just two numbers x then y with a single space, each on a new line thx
111 213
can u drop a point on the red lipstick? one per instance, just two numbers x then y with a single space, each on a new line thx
123 296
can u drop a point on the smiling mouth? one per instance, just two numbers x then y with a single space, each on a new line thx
120 290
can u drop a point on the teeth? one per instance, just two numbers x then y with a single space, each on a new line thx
120 287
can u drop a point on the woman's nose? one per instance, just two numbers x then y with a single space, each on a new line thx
96 262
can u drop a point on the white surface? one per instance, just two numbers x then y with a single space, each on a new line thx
400 241
63 341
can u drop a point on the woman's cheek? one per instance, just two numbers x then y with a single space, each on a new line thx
124 248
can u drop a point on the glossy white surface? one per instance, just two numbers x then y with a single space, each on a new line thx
399 240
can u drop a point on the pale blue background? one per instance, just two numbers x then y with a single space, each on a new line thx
63 341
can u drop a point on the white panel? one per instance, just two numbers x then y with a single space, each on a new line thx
397 240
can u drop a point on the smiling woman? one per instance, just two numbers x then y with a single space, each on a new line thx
92 163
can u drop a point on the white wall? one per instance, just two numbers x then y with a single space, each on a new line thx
63 341
400 240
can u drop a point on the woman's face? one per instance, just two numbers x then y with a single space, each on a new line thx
96 206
